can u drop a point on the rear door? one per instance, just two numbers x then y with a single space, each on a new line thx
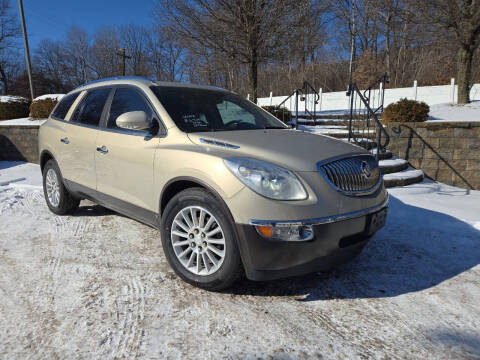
124 165
78 159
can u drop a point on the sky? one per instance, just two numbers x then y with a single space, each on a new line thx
51 19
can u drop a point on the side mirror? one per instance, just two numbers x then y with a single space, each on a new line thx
133 120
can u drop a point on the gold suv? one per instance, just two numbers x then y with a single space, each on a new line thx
231 188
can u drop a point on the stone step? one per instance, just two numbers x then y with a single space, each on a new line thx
386 154
391 166
403 178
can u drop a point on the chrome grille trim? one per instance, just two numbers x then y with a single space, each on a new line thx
345 174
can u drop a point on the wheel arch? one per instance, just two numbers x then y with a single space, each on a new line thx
45 156
177 184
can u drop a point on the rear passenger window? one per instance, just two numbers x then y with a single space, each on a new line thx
90 109
65 104
126 100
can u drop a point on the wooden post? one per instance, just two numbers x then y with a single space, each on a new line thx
452 85
320 99
415 90
271 98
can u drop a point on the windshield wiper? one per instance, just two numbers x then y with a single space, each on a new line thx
274 127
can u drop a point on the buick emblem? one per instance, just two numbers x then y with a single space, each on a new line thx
365 168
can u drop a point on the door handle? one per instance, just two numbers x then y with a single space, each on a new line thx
102 149
65 140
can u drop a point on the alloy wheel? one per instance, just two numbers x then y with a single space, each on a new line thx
198 240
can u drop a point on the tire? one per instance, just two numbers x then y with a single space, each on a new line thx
216 273
65 203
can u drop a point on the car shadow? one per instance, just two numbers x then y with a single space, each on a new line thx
416 250
88 208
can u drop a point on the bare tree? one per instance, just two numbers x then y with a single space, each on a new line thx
249 31
77 50
9 32
135 39
459 19
165 54
103 58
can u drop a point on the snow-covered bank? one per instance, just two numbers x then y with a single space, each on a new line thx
22 122
96 285
453 113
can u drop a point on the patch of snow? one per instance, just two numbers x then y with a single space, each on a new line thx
12 98
19 173
392 162
453 113
22 122
403 175
56 97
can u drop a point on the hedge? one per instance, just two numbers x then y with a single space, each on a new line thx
41 108
405 111
13 107
281 113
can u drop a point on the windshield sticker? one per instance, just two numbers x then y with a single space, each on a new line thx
195 120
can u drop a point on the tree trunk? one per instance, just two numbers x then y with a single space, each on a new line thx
4 80
464 74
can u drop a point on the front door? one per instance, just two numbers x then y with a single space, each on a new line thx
124 161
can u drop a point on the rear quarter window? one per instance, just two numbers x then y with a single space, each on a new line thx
61 110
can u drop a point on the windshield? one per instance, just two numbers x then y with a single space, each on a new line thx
199 110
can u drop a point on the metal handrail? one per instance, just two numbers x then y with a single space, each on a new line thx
367 119
302 93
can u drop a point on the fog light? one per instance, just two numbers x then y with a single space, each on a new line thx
286 232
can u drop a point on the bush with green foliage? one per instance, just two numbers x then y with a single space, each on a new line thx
41 108
13 107
405 111
281 113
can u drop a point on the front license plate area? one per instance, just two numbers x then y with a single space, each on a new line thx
376 221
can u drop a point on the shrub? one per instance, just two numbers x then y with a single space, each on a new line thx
42 106
405 111
281 113
13 107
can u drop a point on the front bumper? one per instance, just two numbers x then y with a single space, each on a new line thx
337 239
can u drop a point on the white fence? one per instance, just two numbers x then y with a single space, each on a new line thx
337 101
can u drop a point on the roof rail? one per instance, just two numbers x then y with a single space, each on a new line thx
115 78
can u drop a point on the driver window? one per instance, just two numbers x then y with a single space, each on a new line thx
126 100
230 111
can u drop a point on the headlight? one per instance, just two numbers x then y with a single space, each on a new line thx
267 179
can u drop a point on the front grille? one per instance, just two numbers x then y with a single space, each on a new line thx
356 175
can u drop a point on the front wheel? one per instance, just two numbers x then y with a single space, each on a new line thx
199 241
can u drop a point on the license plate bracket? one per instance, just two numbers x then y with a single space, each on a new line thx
376 221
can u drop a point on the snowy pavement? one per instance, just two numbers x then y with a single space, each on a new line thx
96 285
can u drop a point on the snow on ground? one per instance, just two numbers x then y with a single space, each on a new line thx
56 97
22 122
448 112
96 285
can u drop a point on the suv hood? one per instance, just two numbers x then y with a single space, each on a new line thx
292 149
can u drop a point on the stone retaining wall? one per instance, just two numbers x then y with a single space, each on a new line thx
458 143
19 143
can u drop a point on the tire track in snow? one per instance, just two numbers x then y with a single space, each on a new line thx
128 337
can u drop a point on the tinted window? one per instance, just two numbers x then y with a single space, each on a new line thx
126 100
65 104
89 111
195 110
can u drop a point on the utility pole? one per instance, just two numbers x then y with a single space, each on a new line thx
122 52
27 50
352 41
